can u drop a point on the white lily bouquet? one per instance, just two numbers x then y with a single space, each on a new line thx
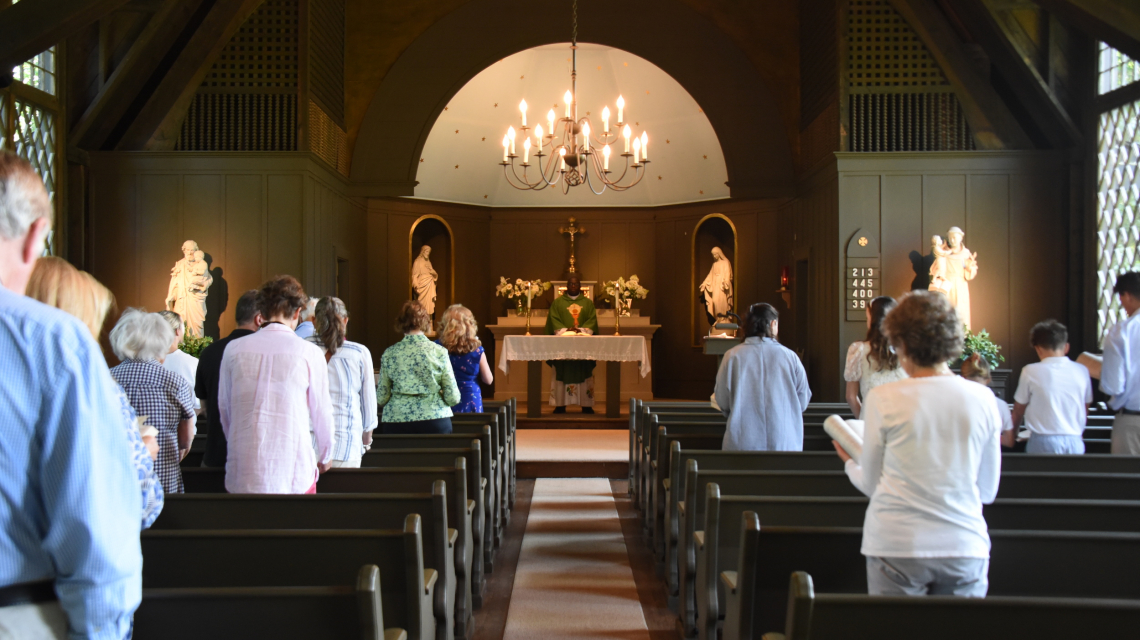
522 291
624 292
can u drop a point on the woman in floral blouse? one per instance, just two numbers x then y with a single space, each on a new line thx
417 387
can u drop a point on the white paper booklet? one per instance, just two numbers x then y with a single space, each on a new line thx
848 433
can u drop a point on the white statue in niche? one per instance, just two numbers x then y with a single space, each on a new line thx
424 279
953 268
717 286
190 282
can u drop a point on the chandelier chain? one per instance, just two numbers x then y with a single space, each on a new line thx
574 31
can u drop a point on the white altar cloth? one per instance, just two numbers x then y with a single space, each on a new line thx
604 348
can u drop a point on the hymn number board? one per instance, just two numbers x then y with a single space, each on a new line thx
862 274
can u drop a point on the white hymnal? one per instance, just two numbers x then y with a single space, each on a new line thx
848 433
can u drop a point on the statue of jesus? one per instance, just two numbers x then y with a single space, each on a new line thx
190 282
424 279
717 286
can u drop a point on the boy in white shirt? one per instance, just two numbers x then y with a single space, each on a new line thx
1053 395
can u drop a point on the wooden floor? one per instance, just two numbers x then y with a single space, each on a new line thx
490 621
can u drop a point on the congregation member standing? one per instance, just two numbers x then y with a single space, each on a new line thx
573 381
871 362
56 283
931 459
248 319
1120 371
350 382
142 341
762 388
70 562
1052 395
417 388
459 334
976 369
273 390
306 329
178 360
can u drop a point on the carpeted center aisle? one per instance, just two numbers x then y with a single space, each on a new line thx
573 578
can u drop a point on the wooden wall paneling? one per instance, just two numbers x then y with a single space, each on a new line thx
640 253
860 206
245 254
114 259
987 214
285 205
744 271
378 282
160 236
613 256
204 221
768 261
311 235
943 205
905 250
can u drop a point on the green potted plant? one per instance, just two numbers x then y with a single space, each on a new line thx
194 346
981 344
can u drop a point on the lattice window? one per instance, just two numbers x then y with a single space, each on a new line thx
884 53
1118 207
262 55
39 72
1116 69
240 122
908 122
326 56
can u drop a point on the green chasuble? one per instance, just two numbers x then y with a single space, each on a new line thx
572 371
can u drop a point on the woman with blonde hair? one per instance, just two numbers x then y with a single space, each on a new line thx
458 333
350 382
56 283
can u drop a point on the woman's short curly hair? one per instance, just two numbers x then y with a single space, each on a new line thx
413 316
280 296
926 326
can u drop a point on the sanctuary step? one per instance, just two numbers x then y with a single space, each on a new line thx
572 453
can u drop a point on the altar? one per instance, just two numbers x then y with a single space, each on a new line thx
627 372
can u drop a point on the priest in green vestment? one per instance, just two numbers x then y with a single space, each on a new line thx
573 381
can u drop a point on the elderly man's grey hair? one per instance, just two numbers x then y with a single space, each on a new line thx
23 199
174 320
141 336
309 310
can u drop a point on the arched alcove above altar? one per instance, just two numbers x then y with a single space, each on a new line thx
460 159
714 231
434 232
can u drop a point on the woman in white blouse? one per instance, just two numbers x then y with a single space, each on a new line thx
871 362
350 382
931 458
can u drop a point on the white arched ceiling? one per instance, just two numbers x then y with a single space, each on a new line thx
460 160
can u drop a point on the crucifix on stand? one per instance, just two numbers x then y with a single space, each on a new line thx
572 229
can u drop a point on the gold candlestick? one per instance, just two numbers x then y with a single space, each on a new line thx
617 316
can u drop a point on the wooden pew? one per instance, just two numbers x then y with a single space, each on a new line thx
452 604
239 613
429 457
638 409
510 406
197 452
833 616
314 558
1023 563
463 423
647 438
689 436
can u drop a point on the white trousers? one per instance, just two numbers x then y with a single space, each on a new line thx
45 621
1126 435
562 394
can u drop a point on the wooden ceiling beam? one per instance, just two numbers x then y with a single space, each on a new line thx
30 28
991 121
159 121
128 79
1000 44
1116 22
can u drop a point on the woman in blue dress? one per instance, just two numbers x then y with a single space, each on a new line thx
458 334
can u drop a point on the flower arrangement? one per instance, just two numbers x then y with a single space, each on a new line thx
625 291
980 343
522 291
194 346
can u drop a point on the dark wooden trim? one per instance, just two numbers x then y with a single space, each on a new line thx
1116 22
612 469
1118 98
29 28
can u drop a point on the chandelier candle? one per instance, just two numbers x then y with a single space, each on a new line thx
626 133
621 106
606 158
605 120
526 151
636 150
586 136
522 108
569 98
645 146
511 137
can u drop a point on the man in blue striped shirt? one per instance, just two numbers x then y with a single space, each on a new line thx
70 562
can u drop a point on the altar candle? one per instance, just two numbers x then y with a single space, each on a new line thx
620 106
606 158
522 108
586 136
511 135
569 98
636 150
644 146
606 120
526 151
528 292
626 132
550 120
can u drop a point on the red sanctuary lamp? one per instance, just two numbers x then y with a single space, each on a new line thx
783 290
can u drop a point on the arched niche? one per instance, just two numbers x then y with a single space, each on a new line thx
433 231
734 95
713 230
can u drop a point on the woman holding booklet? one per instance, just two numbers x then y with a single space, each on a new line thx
930 459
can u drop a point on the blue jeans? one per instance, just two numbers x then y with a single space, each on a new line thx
1055 444
968 577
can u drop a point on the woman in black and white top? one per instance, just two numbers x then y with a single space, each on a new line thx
931 458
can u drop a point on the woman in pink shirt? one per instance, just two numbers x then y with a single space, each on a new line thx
274 387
